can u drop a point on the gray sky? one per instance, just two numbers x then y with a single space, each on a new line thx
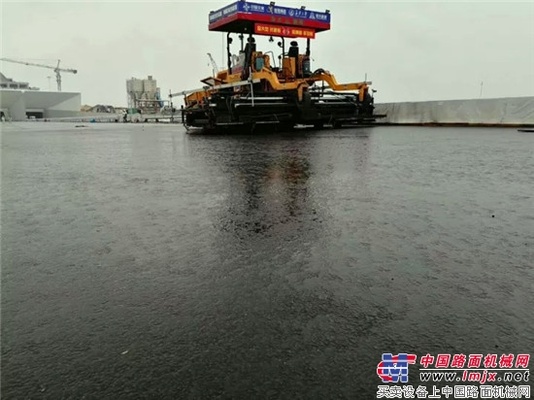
412 51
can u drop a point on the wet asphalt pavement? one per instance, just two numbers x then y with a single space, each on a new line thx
141 262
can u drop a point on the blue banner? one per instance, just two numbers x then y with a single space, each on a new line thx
266 9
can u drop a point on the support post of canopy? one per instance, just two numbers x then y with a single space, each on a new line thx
251 86
228 53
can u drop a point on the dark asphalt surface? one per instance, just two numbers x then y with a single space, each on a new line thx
140 262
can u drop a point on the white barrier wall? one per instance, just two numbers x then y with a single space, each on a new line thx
15 103
504 111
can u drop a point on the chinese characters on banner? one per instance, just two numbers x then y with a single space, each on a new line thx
284 31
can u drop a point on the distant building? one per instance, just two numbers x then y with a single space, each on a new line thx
19 101
144 95
7 83
102 109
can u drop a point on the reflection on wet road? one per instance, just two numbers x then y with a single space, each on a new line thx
139 262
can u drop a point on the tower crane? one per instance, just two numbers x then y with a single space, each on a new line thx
56 69
213 65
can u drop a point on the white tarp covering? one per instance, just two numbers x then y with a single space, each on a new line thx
505 111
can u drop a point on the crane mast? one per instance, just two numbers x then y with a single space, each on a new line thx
56 69
214 66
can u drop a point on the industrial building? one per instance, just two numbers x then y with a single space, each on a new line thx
19 101
8 83
144 95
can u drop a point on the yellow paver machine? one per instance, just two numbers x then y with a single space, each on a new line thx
259 91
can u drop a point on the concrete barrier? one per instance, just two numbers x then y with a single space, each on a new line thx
508 111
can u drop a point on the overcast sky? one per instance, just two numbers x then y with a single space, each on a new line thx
412 51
